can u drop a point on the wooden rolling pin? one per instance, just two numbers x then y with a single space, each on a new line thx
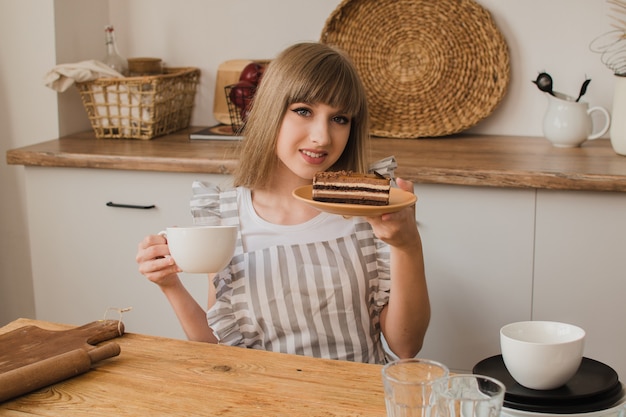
32 358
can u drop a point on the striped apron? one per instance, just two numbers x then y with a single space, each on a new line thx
320 299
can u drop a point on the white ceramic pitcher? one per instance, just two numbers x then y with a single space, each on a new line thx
568 123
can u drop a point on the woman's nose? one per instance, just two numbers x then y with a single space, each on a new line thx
320 134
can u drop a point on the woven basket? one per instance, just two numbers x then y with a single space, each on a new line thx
430 68
140 107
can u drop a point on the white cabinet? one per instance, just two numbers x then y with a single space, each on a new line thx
84 251
580 268
478 249
493 256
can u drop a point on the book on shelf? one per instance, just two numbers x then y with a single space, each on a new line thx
217 132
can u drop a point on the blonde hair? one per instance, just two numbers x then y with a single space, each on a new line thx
307 73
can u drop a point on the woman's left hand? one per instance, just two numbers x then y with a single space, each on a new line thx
405 318
397 229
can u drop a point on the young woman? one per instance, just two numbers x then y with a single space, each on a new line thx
304 281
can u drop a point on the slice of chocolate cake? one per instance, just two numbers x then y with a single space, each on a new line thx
351 188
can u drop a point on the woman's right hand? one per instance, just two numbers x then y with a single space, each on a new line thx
155 262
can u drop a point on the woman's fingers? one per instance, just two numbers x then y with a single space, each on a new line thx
154 260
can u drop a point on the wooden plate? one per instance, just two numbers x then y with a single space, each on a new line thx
398 199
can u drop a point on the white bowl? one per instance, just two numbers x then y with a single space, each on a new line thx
542 355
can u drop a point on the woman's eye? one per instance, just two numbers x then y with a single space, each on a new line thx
341 119
308 112
302 111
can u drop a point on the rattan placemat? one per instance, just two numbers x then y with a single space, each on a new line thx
430 67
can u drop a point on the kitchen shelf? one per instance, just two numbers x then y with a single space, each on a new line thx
473 160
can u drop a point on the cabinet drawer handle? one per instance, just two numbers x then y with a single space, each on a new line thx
133 206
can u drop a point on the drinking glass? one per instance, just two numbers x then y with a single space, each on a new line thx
468 396
408 384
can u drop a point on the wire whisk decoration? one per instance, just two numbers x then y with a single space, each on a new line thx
612 45
620 8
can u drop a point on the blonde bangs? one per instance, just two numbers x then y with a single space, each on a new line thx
331 84
315 73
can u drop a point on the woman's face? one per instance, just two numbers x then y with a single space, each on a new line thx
311 138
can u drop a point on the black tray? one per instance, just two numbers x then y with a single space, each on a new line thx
595 387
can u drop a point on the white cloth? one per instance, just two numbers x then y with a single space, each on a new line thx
63 76
116 105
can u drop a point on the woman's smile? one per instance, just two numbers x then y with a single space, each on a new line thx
313 157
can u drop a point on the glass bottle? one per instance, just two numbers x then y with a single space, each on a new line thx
113 58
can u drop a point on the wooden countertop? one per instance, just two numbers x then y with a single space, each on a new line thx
490 161
158 376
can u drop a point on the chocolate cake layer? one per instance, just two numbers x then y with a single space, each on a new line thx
351 188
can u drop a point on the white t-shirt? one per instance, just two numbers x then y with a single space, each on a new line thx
258 233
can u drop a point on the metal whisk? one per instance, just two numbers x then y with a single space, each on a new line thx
612 45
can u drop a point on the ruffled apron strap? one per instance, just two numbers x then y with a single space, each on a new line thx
385 167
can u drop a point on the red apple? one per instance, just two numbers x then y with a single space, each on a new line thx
261 72
245 112
242 93
252 73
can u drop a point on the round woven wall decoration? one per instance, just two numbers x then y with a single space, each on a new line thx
430 67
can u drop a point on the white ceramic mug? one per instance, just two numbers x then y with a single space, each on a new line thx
568 123
201 249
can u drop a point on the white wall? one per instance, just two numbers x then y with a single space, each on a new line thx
28 115
551 35
205 33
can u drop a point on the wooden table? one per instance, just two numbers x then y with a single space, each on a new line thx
156 376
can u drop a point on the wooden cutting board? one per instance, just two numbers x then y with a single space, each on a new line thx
32 358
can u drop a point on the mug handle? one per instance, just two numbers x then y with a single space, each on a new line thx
607 123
